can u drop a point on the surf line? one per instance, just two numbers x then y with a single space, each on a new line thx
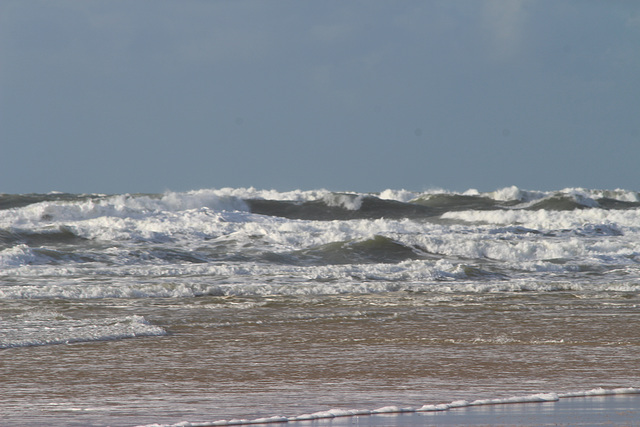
335 413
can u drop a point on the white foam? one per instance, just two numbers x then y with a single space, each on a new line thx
587 197
351 202
398 195
258 279
120 206
332 413
50 328
192 229
514 193
127 236
233 199
17 256
550 220
600 392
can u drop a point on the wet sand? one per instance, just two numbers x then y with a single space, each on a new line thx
616 410
249 358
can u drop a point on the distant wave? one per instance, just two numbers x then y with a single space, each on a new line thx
245 241
323 204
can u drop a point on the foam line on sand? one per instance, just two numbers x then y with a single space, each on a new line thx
621 403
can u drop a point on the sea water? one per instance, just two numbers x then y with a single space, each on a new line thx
226 304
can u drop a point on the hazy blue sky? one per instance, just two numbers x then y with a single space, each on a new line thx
152 95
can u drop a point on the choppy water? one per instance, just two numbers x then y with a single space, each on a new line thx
240 303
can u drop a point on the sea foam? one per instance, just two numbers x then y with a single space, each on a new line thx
207 242
49 328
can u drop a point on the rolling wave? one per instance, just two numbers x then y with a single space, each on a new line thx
257 241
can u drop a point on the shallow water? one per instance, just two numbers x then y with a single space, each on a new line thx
248 357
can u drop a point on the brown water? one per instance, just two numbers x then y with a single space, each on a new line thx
249 357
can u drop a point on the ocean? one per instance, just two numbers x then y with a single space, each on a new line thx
215 305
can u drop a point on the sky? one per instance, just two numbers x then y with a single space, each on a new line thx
148 96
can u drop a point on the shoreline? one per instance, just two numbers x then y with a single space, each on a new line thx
619 406
619 410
